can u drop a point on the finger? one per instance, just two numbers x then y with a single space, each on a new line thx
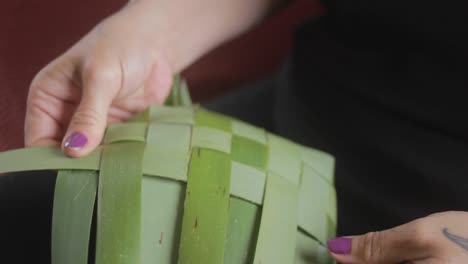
49 109
41 129
87 126
403 243
159 83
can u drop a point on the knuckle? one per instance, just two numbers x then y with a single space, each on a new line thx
87 117
95 71
421 234
37 86
36 82
371 247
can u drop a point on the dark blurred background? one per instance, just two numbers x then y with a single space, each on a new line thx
32 33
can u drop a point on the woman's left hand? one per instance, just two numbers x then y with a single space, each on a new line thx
436 239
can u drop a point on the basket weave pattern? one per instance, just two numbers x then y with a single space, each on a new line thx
182 184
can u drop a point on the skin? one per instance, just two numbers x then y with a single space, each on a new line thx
126 63
436 239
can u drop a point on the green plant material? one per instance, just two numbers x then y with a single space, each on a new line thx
171 115
205 219
164 157
332 211
322 162
331 228
184 94
306 249
277 235
174 98
142 117
126 132
167 150
215 139
162 209
75 194
285 159
205 118
244 220
312 217
317 187
249 152
243 129
179 95
247 182
119 204
299 185
309 251
46 158
323 257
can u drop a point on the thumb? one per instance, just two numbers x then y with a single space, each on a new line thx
88 124
395 245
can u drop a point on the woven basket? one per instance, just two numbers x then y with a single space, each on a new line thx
179 184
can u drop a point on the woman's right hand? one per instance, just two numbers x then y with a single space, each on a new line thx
114 72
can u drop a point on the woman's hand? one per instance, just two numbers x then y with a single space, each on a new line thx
115 71
437 239
125 64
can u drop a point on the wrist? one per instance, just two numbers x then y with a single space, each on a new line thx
185 30
158 28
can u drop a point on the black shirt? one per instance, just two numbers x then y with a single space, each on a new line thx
382 85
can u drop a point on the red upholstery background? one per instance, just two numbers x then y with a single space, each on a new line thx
34 32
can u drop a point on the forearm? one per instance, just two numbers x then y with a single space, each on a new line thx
185 30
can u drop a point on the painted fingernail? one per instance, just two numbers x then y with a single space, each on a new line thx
340 245
76 140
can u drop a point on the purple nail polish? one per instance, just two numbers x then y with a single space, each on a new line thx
76 140
340 245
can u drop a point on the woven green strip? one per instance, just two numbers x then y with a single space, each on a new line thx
313 194
185 99
161 159
215 139
313 221
46 158
167 151
277 236
331 228
204 224
119 204
310 251
179 95
204 118
142 117
332 210
284 158
172 115
174 95
249 152
320 161
247 182
316 188
244 220
243 129
125 132
162 209
306 249
75 193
